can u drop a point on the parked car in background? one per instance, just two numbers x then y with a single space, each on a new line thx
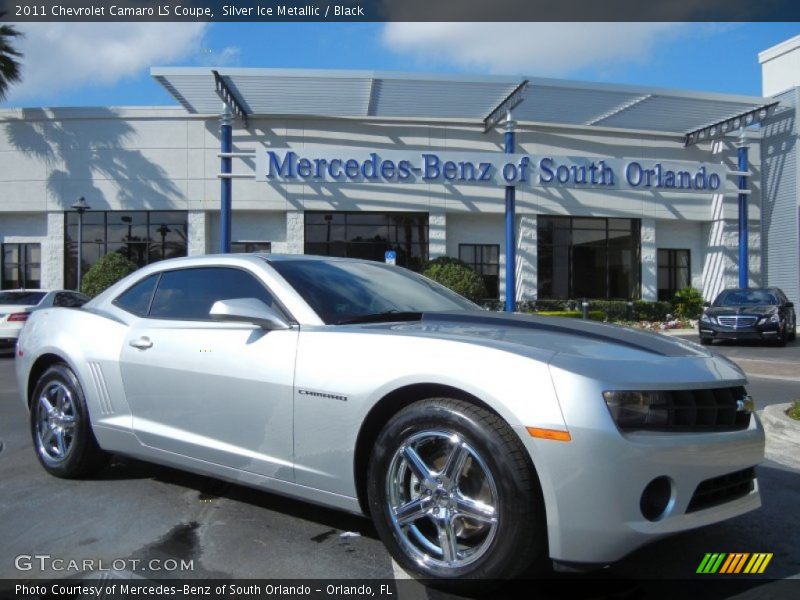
749 314
479 443
17 305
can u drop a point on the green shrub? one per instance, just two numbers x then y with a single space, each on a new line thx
644 310
458 277
444 260
688 303
794 410
106 272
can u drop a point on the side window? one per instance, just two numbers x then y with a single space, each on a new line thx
136 298
61 300
190 293
69 300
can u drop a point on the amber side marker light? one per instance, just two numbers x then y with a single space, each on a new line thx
550 434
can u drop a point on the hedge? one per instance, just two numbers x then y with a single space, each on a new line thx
594 315
612 310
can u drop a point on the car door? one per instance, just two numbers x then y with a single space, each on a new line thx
218 392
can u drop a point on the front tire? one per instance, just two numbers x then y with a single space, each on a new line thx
62 433
453 494
706 341
780 339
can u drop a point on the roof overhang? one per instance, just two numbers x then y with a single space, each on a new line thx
391 95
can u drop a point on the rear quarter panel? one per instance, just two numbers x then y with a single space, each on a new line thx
89 343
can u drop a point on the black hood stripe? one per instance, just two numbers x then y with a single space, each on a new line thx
644 342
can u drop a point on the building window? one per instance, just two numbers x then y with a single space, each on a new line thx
582 257
247 247
142 236
674 272
22 266
369 235
484 260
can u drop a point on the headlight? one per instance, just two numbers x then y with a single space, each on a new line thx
773 318
707 319
633 410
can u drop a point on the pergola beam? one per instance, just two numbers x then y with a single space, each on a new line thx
509 103
230 99
719 129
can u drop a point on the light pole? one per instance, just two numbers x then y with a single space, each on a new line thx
80 207
127 219
163 230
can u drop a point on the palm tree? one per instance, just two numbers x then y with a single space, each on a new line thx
10 67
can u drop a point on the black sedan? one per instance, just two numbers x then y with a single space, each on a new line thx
749 314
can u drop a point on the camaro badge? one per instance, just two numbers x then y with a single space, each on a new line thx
745 404
322 395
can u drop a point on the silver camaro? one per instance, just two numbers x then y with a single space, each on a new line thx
480 444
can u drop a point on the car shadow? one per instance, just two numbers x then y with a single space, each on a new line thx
209 489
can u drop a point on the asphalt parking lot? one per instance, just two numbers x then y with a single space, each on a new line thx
140 511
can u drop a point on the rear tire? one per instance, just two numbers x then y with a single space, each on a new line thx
60 427
454 496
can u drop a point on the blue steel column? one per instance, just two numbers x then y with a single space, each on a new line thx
743 228
226 183
511 238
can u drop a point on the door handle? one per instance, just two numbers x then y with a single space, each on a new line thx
143 343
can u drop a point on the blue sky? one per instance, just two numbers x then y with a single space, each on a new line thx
107 64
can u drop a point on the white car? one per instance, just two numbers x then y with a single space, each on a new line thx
17 305
478 443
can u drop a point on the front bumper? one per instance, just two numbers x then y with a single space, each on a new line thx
8 337
768 331
593 485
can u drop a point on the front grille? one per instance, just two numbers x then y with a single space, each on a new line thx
699 411
707 410
737 321
719 490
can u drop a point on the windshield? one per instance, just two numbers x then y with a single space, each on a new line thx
745 298
29 298
341 291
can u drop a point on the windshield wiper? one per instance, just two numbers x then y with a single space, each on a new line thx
383 317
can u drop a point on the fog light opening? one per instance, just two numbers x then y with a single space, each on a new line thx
656 499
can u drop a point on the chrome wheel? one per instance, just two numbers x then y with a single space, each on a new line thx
56 418
442 500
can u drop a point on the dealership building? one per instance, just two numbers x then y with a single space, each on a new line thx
589 190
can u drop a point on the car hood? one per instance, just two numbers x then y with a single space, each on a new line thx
760 310
544 335
611 353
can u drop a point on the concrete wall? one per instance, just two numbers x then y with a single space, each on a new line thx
781 220
780 67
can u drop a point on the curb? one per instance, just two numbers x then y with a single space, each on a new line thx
679 332
783 435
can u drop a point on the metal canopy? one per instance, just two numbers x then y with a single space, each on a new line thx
353 94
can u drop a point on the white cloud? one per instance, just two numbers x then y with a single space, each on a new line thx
544 49
58 56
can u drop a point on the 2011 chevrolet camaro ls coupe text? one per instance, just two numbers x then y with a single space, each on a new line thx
479 443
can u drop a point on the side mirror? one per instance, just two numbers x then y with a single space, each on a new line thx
247 310
706 304
789 305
